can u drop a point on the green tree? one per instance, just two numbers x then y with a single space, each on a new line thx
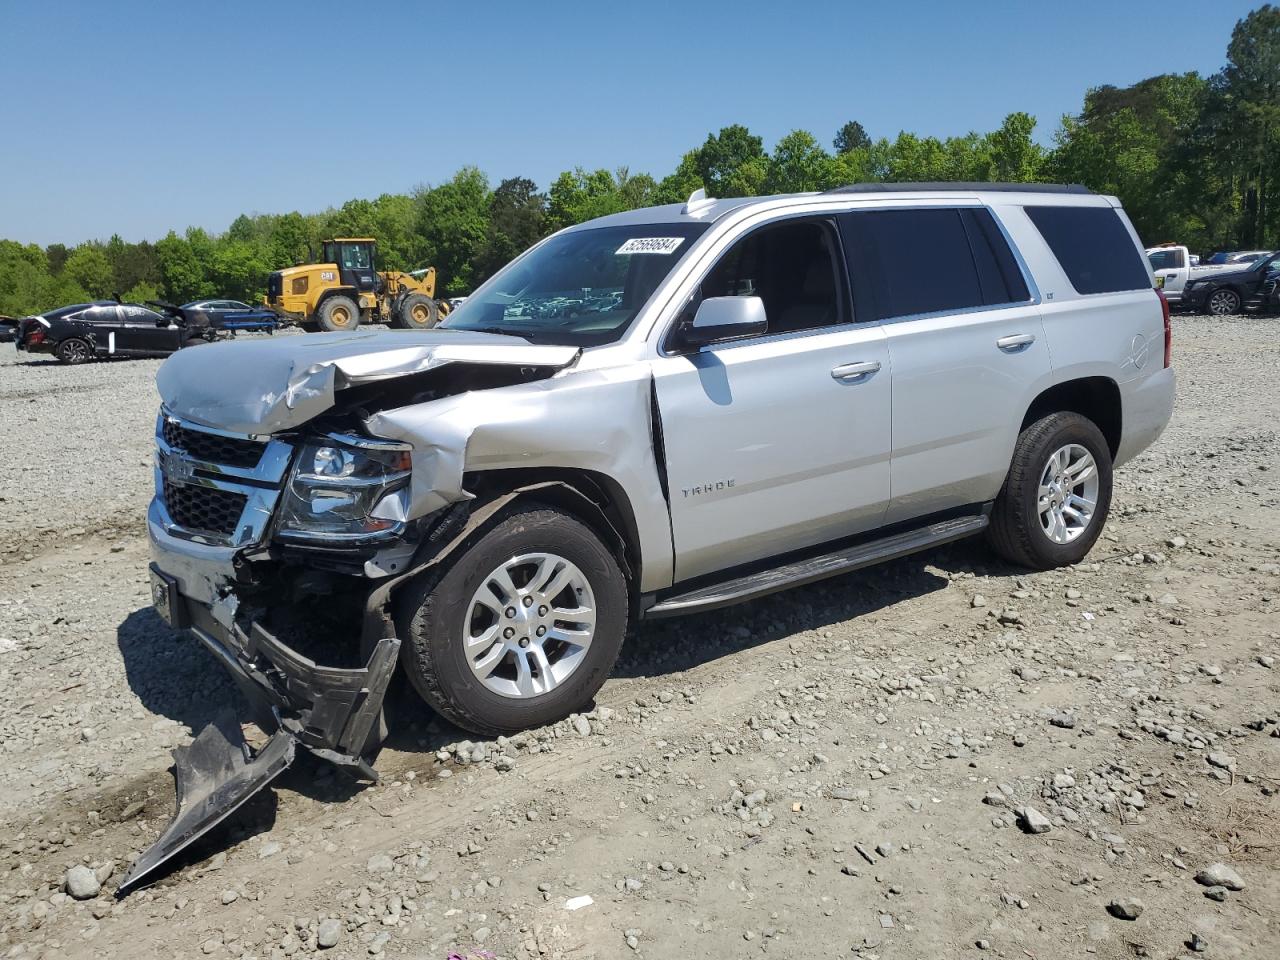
453 222
288 240
89 268
852 136
677 187
1250 88
237 269
732 163
181 272
517 220
1015 157
577 196
1126 142
798 164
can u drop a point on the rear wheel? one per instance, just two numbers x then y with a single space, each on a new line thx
1224 303
338 313
519 630
74 350
1056 497
417 312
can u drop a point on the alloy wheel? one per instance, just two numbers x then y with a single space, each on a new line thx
1068 493
529 625
1224 303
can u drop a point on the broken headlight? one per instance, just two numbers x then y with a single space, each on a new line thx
346 489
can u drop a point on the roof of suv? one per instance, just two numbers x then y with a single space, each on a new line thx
709 210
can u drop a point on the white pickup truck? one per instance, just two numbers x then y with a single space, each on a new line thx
1172 267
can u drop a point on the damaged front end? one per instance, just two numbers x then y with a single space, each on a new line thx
278 546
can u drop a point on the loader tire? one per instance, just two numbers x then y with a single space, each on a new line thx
417 312
337 314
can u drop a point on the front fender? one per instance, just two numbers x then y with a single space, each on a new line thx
597 421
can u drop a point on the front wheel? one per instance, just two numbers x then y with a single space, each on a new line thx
1224 303
1056 496
519 630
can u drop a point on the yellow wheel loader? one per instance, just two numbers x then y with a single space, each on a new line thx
345 291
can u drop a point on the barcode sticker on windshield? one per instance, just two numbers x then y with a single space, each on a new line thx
649 245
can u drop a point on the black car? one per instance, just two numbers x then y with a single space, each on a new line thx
88 331
1231 291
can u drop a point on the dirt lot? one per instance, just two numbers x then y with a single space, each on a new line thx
843 770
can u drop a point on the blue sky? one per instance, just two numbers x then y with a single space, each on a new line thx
135 117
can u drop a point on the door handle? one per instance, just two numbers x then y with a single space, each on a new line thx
847 372
1016 342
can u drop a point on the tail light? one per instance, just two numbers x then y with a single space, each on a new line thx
1168 328
34 335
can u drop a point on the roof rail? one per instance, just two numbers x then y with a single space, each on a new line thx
961 185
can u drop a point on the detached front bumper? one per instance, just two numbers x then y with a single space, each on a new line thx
334 712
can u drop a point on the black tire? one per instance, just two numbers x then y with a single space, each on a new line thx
417 312
337 314
1016 532
74 350
431 622
1223 303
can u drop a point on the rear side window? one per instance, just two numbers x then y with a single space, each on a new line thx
909 262
1095 250
1165 259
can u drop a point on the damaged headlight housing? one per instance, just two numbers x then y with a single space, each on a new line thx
346 488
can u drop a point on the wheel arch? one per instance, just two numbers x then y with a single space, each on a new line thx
592 498
1097 398
330 292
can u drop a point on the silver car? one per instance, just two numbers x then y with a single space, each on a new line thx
765 392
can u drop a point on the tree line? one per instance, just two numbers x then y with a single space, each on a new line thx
1194 159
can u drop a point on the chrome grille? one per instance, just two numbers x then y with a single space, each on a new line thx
216 487
212 447
202 509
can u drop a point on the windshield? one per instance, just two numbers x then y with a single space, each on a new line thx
581 288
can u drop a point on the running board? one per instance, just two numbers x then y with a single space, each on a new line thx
800 572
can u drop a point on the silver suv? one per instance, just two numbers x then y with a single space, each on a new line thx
654 413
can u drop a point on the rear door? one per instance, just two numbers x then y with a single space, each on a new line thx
777 442
966 343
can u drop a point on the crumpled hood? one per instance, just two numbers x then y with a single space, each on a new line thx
265 386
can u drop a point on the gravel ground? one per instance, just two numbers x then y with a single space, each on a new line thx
936 758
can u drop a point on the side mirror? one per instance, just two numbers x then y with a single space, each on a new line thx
725 318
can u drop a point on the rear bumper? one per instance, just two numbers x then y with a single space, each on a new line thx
1147 409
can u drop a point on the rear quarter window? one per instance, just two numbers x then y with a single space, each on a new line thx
1093 247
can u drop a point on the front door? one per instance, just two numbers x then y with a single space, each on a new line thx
781 441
